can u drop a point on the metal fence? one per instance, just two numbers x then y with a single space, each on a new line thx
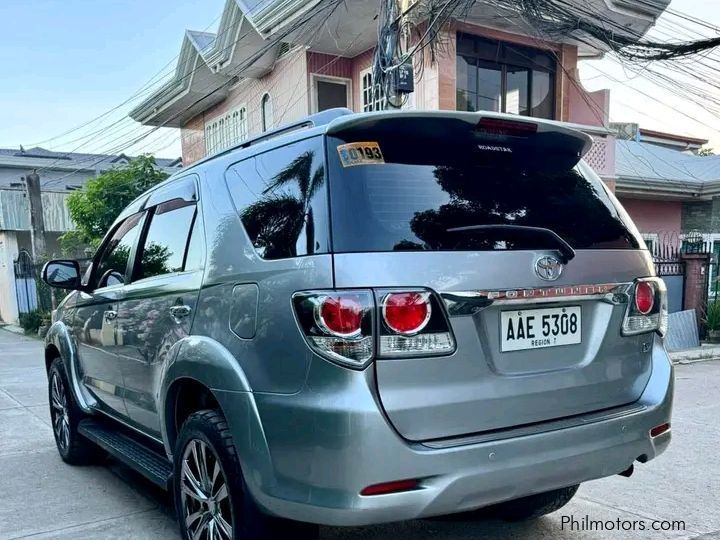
30 291
672 268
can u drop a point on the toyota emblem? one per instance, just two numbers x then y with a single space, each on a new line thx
548 268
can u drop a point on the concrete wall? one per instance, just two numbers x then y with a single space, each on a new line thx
8 253
661 217
703 216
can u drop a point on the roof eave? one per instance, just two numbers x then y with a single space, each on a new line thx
666 188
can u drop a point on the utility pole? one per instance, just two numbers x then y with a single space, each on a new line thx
37 222
393 70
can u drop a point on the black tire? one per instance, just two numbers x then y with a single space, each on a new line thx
205 431
65 415
533 506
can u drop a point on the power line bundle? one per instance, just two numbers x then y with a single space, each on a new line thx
405 37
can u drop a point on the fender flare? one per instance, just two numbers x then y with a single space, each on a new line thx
60 337
210 364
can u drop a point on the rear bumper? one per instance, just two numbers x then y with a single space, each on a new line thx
328 442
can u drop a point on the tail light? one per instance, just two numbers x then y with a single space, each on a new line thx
647 310
341 315
501 126
391 487
413 323
659 430
340 325
407 313
644 297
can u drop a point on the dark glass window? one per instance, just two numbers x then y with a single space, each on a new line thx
112 267
282 199
543 95
503 77
427 188
489 87
167 238
331 94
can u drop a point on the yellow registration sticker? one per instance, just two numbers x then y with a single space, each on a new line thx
360 153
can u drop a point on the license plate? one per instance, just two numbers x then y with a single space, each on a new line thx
539 328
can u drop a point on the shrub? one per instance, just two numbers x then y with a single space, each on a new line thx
32 320
712 316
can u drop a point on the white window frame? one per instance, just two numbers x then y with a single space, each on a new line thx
377 102
267 121
226 130
314 78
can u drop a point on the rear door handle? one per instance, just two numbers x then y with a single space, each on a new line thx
180 311
110 315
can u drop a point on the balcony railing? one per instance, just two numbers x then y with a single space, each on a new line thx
601 156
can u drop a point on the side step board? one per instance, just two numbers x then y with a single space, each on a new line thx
132 453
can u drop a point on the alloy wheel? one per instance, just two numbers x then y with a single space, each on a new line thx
59 412
205 498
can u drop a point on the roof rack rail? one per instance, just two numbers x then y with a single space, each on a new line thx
314 120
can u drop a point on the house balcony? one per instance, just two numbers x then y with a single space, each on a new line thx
601 156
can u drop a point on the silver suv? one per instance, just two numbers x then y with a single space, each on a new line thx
363 318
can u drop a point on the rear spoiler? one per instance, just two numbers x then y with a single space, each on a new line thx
492 132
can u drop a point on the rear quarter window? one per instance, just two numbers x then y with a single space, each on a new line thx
281 197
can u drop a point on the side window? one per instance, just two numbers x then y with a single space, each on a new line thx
113 264
196 246
282 200
167 238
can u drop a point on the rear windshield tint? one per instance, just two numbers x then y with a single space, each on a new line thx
413 198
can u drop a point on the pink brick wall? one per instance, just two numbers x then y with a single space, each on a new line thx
326 64
601 157
346 68
360 63
662 217
288 87
192 139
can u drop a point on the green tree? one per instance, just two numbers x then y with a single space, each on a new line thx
95 208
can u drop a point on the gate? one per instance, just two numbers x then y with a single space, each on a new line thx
670 266
25 284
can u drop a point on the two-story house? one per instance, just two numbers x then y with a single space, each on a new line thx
259 71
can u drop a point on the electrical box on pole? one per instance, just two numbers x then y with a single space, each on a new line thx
404 79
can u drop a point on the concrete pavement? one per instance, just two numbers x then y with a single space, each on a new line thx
41 497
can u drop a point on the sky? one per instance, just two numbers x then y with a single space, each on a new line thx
63 63
635 99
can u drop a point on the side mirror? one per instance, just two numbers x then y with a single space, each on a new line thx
63 274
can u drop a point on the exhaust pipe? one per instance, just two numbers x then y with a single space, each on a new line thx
627 473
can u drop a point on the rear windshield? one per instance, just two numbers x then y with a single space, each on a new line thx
413 195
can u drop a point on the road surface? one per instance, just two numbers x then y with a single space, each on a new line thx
41 497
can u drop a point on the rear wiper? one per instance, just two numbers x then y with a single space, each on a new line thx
565 249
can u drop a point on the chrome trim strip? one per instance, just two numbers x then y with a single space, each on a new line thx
534 429
469 302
